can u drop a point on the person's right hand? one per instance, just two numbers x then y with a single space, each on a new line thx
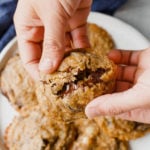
45 28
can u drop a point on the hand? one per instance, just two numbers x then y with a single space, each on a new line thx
131 100
45 29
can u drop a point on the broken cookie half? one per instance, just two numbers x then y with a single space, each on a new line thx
80 78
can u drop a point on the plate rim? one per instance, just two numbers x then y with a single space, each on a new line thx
9 47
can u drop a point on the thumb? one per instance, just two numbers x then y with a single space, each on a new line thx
53 45
55 24
117 103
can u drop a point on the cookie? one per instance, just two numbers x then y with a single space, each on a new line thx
35 131
122 129
17 85
90 137
80 78
100 40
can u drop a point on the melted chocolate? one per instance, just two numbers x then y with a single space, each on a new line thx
92 77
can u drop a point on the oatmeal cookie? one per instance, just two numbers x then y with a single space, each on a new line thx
80 78
35 131
122 129
17 85
100 40
90 137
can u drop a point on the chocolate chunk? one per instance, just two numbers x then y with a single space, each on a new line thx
95 75
90 77
67 88
44 82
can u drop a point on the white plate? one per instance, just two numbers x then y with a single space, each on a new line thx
125 37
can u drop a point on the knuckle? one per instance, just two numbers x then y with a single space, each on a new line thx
52 48
69 6
52 45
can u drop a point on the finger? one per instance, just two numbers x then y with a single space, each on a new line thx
85 4
30 53
77 19
55 24
139 115
78 28
122 86
126 73
80 38
124 57
70 6
116 103
29 35
33 34
68 42
54 42
79 31
53 50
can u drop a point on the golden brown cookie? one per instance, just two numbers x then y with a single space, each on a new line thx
80 78
122 129
100 40
35 131
90 137
17 85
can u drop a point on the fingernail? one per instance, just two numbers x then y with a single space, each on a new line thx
46 64
91 112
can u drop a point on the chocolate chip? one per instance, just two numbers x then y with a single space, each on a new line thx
90 77
54 84
75 109
45 141
95 76
81 75
49 144
141 126
45 144
44 82
67 88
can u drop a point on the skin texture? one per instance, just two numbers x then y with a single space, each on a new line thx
131 99
45 29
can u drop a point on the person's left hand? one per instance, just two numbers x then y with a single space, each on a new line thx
131 100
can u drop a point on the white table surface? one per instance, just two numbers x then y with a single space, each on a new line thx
137 14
